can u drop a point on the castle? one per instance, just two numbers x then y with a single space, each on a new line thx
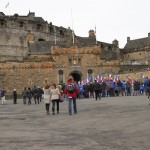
33 51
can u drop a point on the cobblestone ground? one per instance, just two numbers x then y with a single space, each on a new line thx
117 123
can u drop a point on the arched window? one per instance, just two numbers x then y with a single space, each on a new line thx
21 24
51 30
39 27
60 72
61 33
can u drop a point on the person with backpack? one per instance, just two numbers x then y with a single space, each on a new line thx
71 90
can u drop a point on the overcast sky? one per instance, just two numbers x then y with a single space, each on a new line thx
114 19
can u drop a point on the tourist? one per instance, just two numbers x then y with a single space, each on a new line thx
24 95
54 92
3 91
29 95
15 96
97 89
47 97
71 91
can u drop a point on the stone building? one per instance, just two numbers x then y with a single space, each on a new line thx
33 51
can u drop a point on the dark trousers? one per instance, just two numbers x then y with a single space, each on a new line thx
47 107
97 94
15 100
29 100
53 106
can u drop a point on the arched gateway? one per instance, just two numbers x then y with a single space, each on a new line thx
77 75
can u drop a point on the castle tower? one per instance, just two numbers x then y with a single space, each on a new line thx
91 33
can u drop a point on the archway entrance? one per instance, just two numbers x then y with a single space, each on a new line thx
76 75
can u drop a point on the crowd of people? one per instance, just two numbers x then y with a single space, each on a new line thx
71 91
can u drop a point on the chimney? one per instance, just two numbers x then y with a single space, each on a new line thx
128 39
91 33
148 35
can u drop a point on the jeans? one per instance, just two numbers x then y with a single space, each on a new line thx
70 101
53 106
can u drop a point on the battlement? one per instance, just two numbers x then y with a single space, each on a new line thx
33 23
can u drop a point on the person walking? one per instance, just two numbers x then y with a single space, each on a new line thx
3 96
29 95
71 91
97 89
54 93
47 97
24 95
15 96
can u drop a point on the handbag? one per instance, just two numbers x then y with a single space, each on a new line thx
61 97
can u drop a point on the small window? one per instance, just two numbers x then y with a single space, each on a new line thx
51 30
41 40
39 26
140 53
61 33
21 24
2 22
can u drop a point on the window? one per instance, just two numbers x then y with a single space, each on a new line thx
61 33
90 75
21 24
39 26
60 72
51 30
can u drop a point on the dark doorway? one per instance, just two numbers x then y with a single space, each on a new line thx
76 75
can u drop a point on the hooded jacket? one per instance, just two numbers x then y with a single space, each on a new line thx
74 94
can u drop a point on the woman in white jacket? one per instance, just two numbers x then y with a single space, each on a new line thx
55 98
47 97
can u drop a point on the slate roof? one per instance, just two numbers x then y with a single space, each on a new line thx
136 44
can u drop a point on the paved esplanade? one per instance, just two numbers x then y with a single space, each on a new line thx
117 123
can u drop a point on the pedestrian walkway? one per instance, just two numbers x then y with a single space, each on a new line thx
113 123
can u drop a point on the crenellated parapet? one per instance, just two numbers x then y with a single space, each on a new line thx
76 50
25 65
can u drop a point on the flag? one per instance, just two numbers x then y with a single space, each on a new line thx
99 78
89 79
110 75
142 76
7 5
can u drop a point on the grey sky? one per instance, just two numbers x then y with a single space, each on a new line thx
114 19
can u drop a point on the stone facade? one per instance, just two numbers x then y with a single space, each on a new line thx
33 51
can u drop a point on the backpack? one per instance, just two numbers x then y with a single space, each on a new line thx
70 88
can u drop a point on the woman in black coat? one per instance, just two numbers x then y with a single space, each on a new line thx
15 96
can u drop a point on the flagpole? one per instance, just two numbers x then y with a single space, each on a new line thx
72 28
7 5
55 34
95 35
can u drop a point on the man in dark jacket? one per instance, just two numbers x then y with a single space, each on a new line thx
97 89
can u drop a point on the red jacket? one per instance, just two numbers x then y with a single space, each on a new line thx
74 94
